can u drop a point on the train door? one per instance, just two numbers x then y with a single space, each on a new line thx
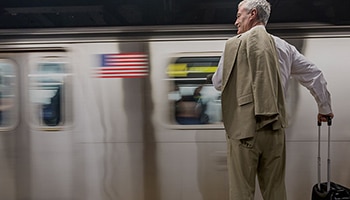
195 105
35 116
9 118
190 139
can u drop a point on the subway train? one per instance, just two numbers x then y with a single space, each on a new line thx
127 113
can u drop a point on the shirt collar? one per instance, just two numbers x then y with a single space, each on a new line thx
257 26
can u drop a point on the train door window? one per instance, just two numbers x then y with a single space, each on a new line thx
48 93
193 101
8 95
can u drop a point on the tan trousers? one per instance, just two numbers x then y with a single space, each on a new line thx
262 156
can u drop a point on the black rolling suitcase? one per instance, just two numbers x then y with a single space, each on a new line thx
327 190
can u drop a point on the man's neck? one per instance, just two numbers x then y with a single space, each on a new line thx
257 24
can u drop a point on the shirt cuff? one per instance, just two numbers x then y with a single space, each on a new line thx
324 110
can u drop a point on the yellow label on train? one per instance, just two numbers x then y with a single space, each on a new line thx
182 70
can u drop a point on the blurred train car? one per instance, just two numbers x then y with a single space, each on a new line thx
127 114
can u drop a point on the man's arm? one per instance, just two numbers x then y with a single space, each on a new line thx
310 76
217 77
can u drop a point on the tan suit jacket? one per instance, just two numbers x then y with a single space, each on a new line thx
252 95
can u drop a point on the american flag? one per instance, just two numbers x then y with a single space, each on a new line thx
123 65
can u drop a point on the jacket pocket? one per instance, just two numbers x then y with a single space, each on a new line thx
245 99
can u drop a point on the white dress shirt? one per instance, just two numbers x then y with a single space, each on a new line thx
293 64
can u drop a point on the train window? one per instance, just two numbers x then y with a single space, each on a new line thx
49 80
8 95
192 99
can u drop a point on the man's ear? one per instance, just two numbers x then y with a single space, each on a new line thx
254 13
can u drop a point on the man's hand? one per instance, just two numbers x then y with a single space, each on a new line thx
324 118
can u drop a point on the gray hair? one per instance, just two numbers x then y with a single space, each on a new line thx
262 6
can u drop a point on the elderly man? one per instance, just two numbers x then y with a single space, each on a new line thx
252 74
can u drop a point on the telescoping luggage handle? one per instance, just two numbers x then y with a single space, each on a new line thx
329 123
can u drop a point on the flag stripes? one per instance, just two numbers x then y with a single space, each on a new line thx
123 65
